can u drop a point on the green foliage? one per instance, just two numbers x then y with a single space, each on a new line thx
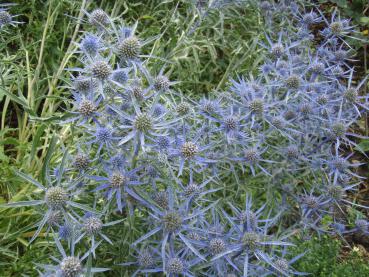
327 257
351 8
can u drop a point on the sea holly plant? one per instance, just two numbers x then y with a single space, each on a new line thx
6 18
71 263
57 198
181 176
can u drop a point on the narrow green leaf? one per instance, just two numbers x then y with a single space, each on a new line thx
49 153
36 141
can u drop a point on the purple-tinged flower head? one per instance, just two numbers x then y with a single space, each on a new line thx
254 98
351 98
351 95
161 83
158 110
217 245
129 48
162 144
337 28
190 147
100 69
337 127
99 19
316 67
229 122
192 191
305 110
313 207
118 182
338 71
71 264
120 76
81 162
279 124
252 157
84 84
249 246
184 109
189 151
290 115
283 266
146 259
323 101
151 171
337 196
179 264
247 217
143 125
57 196
161 199
214 240
307 19
304 34
293 82
292 153
138 93
128 45
91 226
96 73
55 218
278 49
90 45
266 68
6 18
174 223
339 167
324 52
86 108
102 136
117 161
175 266
67 231
282 67
231 125
338 228
337 55
209 107
310 18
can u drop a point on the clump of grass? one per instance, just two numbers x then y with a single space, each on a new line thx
330 257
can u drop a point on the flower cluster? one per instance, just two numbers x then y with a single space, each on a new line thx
145 148
6 18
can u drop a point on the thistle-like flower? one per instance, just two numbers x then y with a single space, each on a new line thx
57 198
71 264
117 183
